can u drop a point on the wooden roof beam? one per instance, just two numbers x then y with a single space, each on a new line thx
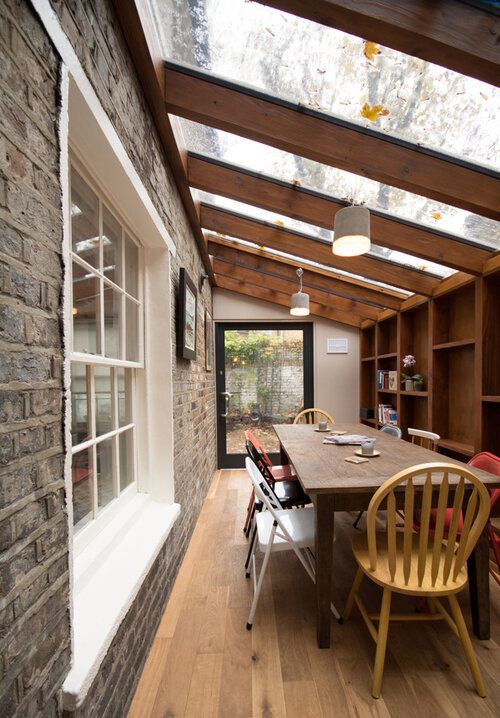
268 265
140 35
288 285
271 295
300 245
447 33
200 96
319 209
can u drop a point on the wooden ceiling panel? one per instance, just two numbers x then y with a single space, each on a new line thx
267 235
271 295
199 96
319 209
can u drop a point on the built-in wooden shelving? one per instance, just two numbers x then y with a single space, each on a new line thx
455 338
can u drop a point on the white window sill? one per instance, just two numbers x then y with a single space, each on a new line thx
108 574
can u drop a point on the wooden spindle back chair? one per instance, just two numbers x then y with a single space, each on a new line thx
313 416
427 439
421 564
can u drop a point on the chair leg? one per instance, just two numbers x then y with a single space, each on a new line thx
383 628
249 512
358 517
355 588
258 588
250 551
467 645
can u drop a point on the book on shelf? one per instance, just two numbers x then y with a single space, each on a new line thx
387 379
387 414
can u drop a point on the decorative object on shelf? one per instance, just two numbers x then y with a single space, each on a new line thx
186 317
300 300
412 382
351 231
209 342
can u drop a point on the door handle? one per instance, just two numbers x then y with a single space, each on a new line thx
226 396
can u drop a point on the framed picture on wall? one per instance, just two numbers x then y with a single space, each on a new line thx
209 342
186 318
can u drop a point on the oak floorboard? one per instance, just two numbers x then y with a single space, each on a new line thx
205 664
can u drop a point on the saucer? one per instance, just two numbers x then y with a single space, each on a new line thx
367 456
323 431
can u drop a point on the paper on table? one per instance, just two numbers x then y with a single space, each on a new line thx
347 439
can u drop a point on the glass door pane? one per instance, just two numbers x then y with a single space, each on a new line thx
264 378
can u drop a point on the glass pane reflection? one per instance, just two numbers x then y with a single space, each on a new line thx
86 329
111 247
80 429
103 402
84 220
126 458
81 474
105 470
112 322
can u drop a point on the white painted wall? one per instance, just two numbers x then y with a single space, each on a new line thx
336 376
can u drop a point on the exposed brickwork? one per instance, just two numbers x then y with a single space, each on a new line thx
34 603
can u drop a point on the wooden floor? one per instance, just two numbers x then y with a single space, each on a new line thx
204 663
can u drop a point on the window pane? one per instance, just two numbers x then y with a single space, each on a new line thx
124 381
112 328
81 474
103 403
105 470
126 458
111 247
132 331
86 325
84 220
131 267
80 429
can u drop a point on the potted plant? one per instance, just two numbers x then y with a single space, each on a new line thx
412 382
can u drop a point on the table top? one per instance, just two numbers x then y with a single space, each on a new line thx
322 468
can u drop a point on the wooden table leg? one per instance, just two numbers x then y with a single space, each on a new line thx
324 505
479 587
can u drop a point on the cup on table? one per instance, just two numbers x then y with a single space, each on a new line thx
323 425
367 447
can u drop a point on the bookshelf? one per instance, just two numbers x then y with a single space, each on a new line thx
455 337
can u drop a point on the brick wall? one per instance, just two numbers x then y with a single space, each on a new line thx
34 615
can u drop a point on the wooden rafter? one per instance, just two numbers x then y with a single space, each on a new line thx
269 266
142 40
300 245
271 295
199 96
288 286
319 209
448 33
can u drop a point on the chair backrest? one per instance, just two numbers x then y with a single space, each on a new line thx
392 430
259 462
263 491
312 416
427 439
491 463
249 436
451 563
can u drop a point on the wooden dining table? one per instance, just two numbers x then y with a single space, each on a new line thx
337 485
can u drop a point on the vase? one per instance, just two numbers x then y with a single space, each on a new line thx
409 385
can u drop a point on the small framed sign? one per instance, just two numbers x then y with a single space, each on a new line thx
337 346
186 319
209 341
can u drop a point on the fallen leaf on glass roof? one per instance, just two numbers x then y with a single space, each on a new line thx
372 113
321 72
436 215
279 223
485 97
296 183
270 31
370 50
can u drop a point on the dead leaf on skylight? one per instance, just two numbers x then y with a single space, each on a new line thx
296 183
485 97
370 50
321 72
437 216
422 267
372 113
270 31
279 223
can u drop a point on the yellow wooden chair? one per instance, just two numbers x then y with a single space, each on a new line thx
421 564
313 416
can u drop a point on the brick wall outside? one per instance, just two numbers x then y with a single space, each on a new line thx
34 609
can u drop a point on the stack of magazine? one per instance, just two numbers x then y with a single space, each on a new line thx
346 439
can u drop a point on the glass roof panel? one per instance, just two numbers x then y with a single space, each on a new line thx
331 71
338 183
372 283
319 233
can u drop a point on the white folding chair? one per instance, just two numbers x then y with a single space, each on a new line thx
279 530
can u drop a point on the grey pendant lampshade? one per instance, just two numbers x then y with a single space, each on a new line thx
351 231
300 300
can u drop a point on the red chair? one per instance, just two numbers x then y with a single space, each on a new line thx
490 463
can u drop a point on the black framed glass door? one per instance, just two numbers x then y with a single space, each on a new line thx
264 377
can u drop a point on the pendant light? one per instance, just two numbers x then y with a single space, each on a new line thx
351 231
300 300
